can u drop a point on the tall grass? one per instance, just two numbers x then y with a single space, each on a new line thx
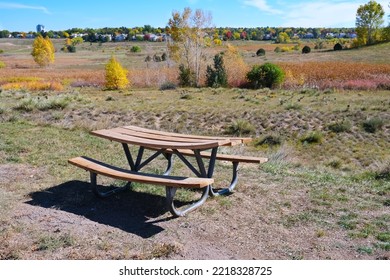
339 75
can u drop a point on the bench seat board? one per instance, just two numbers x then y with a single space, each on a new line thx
225 157
97 167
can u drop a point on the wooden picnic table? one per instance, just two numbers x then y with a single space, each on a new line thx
167 144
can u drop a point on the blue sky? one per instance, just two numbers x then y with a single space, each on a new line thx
24 15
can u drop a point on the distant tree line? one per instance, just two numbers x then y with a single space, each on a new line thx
282 34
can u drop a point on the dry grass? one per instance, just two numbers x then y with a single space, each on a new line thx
346 75
325 199
349 69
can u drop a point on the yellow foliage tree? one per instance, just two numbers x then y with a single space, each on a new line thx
43 51
235 66
116 75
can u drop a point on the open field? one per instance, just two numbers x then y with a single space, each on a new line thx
325 194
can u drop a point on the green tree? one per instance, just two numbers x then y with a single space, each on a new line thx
266 75
187 47
43 51
369 18
217 77
116 75
4 34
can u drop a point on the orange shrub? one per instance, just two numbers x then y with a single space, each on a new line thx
33 85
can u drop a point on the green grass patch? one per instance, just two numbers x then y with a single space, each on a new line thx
383 236
348 221
52 243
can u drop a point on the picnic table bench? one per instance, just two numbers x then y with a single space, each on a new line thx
167 144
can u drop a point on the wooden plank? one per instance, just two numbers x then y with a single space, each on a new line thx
235 140
225 157
121 174
159 144
151 136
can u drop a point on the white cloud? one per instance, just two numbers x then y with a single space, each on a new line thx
4 5
262 6
309 13
321 14
324 13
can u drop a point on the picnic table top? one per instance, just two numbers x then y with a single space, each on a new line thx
157 139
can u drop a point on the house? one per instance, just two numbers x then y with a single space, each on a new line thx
308 35
121 37
105 37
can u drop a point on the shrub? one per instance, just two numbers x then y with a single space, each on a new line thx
26 104
293 106
240 127
156 58
135 49
306 49
338 47
164 57
186 76
71 49
373 124
116 75
2 64
319 45
260 52
217 77
266 75
168 86
338 127
53 103
269 140
383 173
313 137
277 50
335 163
286 49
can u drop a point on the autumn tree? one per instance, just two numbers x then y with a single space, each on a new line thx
283 37
235 66
116 75
187 47
369 18
43 51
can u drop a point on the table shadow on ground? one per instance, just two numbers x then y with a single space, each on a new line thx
129 211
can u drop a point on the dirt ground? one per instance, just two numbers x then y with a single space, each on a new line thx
67 221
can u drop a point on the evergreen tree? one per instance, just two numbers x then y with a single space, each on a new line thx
217 77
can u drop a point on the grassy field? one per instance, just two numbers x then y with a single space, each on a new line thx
325 193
